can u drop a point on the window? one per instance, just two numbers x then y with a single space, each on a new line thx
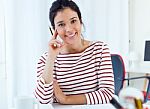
2 41
3 91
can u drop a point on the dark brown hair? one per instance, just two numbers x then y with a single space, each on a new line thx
59 5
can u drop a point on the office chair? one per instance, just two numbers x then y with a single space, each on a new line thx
119 72
119 76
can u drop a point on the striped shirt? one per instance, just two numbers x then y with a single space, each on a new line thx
89 73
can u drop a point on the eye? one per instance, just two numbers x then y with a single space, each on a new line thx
61 24
73 21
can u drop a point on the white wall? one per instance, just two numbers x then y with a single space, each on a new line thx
3 84
27 36
107 20
139 28
26 40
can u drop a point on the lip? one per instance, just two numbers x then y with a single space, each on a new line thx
71 36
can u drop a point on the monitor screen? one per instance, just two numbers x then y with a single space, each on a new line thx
147 51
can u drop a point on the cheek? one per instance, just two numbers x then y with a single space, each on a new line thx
61 34
79 27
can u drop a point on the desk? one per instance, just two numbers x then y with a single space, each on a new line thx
146 72
98 106
139 70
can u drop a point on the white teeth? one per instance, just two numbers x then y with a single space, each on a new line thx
71 35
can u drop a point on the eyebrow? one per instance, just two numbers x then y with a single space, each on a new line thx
73 18
62 21
59 22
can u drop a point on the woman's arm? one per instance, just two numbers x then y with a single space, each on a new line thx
43 91
105 89
71 99
105 79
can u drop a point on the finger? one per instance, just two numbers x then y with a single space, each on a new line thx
56 43
55 86
55 34
59 43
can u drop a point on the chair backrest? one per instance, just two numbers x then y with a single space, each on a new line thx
119 72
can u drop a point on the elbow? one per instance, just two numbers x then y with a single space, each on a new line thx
110 94
42 99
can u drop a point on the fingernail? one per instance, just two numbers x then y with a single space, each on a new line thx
54 45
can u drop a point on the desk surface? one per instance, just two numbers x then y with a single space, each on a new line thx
139 70
98 106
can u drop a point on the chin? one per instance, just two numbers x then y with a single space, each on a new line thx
69 43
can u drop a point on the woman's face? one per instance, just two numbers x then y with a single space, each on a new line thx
68 26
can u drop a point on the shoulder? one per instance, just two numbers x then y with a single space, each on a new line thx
99 44
43 57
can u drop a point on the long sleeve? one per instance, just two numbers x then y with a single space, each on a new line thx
43 92
105 79
89 72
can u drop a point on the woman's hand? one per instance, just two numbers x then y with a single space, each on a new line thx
54 45
54 49
71 99
60 96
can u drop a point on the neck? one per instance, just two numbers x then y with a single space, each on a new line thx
76 48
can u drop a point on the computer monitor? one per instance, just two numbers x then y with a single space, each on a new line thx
147 51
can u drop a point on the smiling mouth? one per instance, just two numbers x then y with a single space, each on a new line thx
72 35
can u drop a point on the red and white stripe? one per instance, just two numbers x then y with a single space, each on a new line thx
89 72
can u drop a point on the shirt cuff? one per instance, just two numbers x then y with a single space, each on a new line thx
46 85
87 99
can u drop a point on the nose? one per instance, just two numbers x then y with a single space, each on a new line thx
68 28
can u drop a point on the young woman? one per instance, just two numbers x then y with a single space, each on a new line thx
75 71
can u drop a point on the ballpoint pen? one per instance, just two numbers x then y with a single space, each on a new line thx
54 45
116 104
50 30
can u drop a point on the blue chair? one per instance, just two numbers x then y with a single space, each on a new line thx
119 72
119 75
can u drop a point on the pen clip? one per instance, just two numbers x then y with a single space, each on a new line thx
50 30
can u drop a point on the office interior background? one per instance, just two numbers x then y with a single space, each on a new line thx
123 24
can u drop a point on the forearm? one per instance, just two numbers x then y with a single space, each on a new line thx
48 70
75 99
44 94
67 99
